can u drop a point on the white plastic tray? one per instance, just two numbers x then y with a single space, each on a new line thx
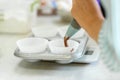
47 55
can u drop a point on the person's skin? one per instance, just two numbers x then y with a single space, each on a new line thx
88 14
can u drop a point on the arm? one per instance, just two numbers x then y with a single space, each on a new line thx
88 15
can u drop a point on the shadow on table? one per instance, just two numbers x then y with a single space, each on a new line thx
45 67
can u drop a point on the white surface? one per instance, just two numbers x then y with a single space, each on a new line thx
32 45
57 46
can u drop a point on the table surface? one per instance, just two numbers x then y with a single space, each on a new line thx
14 68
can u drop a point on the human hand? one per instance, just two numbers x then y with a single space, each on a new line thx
88 14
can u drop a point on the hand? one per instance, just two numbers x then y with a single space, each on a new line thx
88 14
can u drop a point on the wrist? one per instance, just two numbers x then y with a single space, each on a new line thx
95 28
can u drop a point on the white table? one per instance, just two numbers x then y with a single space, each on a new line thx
13 68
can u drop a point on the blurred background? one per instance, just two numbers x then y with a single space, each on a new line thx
18 16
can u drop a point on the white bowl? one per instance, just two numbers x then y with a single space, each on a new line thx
57 46
45 32
62 31
32 45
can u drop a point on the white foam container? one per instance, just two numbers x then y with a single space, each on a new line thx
57 46
59 58
32 45
44 32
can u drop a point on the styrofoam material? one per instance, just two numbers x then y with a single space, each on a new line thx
32 45
78 57
45 32
57 46
62 31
